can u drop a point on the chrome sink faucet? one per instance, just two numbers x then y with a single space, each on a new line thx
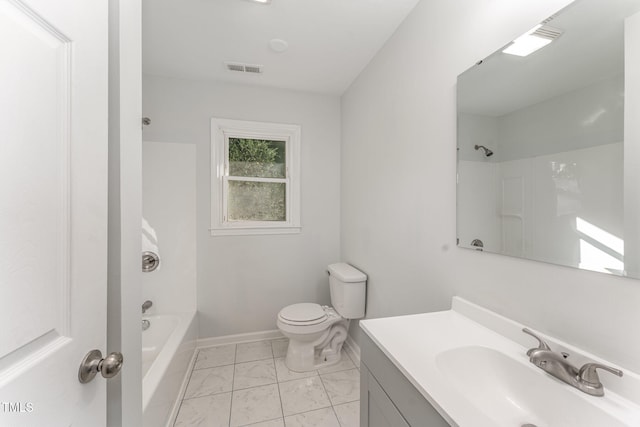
584 379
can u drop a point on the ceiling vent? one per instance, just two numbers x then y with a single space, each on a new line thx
547 32
244 68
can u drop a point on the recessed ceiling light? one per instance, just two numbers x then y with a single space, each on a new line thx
533 40
261 1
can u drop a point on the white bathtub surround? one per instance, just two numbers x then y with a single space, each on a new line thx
169 200
264 392
168 350
471 365
155 338
169 206
150 241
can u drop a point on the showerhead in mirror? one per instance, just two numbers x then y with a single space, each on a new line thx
487 152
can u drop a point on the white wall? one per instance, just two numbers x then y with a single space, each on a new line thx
398 189
169 206
243 281
586 117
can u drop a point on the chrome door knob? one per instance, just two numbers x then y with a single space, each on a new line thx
94 363
111 365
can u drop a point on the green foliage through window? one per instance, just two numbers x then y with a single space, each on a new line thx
251 200
256 158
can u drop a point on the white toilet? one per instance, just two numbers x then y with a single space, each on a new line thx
316 333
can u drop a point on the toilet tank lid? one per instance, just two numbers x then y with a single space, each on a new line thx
346 273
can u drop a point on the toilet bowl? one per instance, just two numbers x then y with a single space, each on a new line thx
316 334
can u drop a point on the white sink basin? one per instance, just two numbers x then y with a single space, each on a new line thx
471 365
514 394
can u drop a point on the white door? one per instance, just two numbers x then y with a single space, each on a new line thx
53 209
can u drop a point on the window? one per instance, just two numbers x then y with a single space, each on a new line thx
255 178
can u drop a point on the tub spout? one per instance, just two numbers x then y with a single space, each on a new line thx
145 324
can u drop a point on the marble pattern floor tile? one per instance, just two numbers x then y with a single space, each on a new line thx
216 356
280 347
344 364
271 423
258 350
209 411
352 356
324 417
284 374
303 395
253 374
254 405
204 382
348 414
249 385
343 386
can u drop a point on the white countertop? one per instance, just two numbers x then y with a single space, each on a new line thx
414 342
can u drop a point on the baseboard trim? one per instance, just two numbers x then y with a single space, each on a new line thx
353 349
183 388
239 338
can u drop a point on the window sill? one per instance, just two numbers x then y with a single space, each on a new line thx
255 231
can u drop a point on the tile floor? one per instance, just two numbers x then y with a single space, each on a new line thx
249 385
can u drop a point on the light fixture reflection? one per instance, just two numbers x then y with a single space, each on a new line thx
527 43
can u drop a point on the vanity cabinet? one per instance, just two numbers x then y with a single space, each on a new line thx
387 398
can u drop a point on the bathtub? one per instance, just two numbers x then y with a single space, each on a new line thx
167 349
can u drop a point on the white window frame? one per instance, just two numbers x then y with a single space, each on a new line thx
221 131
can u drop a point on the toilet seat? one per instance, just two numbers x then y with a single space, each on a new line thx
303 314
307 318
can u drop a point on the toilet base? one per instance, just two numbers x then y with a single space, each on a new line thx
305 356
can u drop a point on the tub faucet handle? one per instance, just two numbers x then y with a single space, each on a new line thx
146 306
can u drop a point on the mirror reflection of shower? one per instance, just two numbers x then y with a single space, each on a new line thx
487 152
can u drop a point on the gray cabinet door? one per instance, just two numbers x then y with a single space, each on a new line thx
376 407
386 392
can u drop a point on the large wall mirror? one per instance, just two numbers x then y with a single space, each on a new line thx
549 142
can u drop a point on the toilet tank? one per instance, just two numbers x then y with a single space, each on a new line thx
348 290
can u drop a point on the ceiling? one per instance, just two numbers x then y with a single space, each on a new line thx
591 49
330 41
